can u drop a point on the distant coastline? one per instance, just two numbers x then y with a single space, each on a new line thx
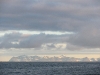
62 58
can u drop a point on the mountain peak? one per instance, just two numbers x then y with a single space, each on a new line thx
25 58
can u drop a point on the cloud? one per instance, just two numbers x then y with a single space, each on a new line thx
51 46
80 17
48 15
19 40
89 38
73 47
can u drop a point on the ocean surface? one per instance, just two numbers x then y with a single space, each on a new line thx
49 68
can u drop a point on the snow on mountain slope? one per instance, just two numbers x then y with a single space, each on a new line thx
24 58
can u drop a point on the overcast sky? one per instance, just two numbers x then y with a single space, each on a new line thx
49 27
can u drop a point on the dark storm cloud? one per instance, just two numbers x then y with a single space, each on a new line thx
51 46
87 38
56 15
18 40
79 16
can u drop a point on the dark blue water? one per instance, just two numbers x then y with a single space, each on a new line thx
49 68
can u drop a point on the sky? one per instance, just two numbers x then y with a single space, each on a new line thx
49 27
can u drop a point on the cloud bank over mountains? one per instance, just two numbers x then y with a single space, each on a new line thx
80 17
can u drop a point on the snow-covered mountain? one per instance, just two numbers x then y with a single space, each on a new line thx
62 58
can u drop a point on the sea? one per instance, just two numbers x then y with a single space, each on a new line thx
49 68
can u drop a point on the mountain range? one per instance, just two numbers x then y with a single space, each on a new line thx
62 58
